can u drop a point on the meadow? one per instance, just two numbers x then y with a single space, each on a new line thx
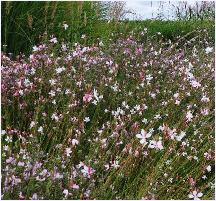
127 116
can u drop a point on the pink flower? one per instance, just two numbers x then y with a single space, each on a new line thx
75 186
19 83
34 197
87 171
9 160
138 51
16 93
21 196
156 145
87 98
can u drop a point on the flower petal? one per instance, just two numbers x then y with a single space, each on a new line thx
139 136
191 196
199 195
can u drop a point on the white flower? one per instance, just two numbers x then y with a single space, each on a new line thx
8 139
153 95
94 102
53 40
21 196
87 119
182 135
3 132
195 195
52 93
32 71
151 130
52 81
101 44
149 77
67 91
65 192
55 117
35 49
204 177
40 129
156 145
34 196
205 111
115 88
96 94
74 141
176 95
157 116
21 92
208 168
195 158
115 164
137 107
189 116
65 26
5 147
109 63
60 69
21 164
68 151
143 135
57 175
208 50
145 120
27 82
195 84
205 99
106 166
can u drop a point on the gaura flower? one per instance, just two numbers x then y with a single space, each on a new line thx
142 136
195 195
87 97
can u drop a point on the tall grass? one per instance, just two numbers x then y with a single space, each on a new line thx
24 22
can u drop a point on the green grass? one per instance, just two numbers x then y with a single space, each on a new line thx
24 22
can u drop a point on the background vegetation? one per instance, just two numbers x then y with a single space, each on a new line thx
23 23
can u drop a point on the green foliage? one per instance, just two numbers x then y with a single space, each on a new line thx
23 23
169 29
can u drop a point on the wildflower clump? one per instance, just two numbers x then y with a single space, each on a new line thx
131 120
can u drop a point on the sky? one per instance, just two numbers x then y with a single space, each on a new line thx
150 9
